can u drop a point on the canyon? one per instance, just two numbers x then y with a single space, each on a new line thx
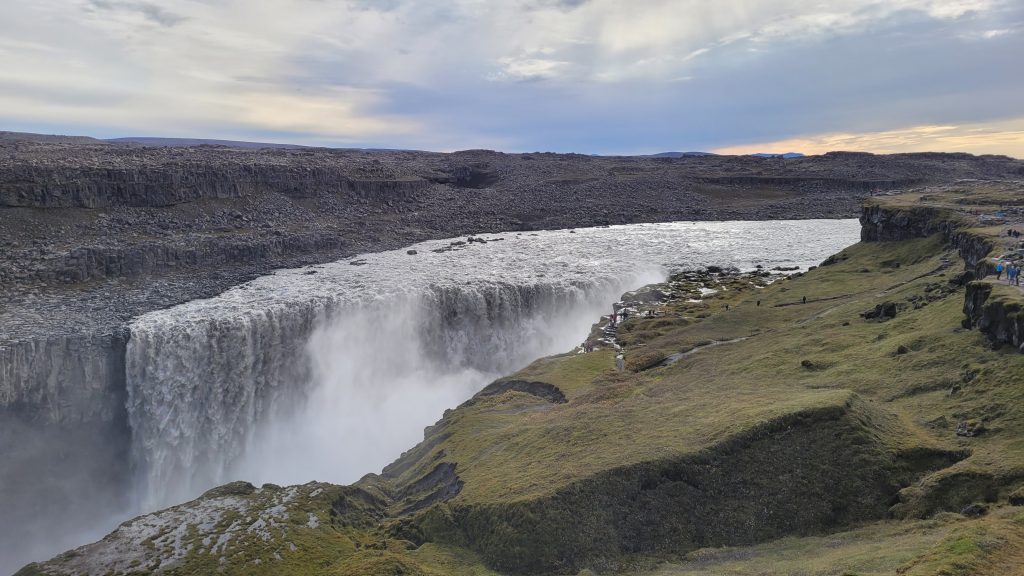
125 264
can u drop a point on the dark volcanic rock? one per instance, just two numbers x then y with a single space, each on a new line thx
974 510
474 176
883 311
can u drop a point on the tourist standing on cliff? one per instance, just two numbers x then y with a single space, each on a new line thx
1011 273
999 270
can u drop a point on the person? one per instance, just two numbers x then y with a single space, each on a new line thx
999 270
1016 277
805 300
758 302
1011 273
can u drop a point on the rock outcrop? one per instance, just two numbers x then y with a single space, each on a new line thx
885 224
148 180
997 317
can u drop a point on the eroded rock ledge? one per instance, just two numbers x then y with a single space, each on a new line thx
994 309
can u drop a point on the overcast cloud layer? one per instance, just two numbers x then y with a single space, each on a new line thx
595 76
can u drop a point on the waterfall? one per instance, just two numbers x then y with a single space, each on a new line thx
328 372
327 388
197 388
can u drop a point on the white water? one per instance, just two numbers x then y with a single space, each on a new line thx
327 376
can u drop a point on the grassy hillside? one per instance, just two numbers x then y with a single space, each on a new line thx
768 428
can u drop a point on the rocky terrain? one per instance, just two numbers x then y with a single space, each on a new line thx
92 234
863 417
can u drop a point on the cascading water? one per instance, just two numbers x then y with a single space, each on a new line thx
329 372
316 388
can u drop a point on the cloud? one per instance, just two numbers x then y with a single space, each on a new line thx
990 34
594 75
529 68
1002 137
150 12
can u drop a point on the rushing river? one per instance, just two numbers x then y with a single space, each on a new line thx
328 372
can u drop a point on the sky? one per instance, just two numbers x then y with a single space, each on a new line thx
589 76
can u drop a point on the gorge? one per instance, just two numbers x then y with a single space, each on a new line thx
329 371
149 350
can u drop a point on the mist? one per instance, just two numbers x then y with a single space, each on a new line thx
383 372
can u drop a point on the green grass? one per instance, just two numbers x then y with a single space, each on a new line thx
949 545
614 419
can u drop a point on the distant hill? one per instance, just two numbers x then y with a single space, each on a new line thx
783 155
52 138
184 142
678 154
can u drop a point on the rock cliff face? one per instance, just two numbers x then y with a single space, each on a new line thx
998 317
44 186
62 428
880 223
99 262
64 378
865 185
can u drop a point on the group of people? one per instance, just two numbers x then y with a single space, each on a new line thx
1012 272
1013 233
619 316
